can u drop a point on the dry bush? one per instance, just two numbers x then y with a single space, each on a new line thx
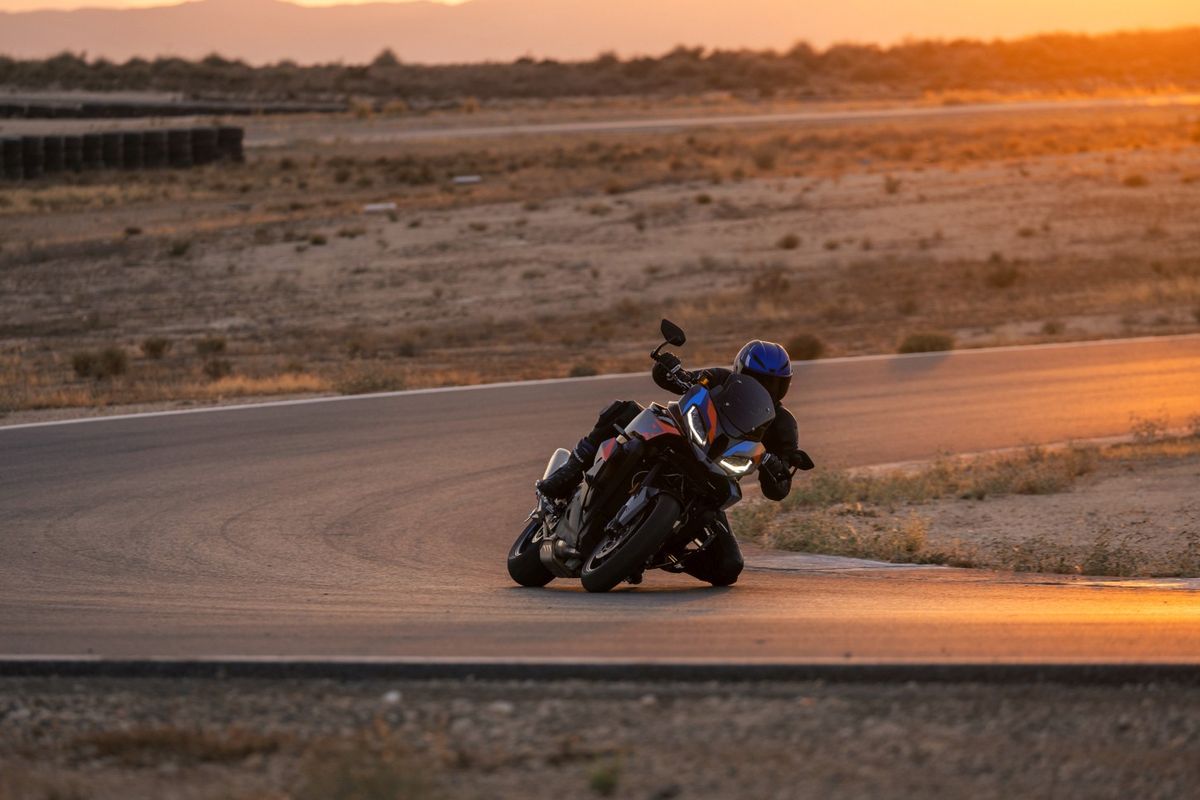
210 346
788 242
156 347
805 347
582 370
926 342
605 778
1135 181
1002 276
100 365
1147 430
1052 327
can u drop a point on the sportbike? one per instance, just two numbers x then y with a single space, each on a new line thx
653 497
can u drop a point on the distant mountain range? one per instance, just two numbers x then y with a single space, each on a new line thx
478 30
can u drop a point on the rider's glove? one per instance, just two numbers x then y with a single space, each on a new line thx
775 467
670 362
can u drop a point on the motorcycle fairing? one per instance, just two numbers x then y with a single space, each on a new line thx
649 425
698 397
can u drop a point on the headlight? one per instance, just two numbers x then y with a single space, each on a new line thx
737 465
696 427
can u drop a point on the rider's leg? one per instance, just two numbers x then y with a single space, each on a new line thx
721 562
561 483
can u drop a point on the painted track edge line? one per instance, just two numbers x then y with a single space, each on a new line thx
1090 673
1182 337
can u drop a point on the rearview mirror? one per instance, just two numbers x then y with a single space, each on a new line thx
673 333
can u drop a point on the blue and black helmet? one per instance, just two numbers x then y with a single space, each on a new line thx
767 363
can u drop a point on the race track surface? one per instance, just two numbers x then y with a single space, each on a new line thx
329 131
378 526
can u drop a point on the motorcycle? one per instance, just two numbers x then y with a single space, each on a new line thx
653 497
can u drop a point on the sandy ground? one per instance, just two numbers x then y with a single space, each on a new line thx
1145 519
561 261
188 739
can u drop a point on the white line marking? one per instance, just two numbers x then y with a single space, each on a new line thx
1185 337
783 661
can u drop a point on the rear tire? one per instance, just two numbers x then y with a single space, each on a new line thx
524 564
634 552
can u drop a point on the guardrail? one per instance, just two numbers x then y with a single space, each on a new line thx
33 109
33 157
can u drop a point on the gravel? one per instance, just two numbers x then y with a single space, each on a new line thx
68 739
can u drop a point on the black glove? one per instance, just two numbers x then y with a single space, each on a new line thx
669 362
774 478
775 468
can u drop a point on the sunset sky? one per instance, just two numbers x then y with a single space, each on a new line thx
504 29
980 18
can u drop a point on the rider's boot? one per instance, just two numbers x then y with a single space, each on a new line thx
561 484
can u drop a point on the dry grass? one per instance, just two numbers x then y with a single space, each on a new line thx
362 773
150 747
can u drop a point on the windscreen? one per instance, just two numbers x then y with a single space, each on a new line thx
743 406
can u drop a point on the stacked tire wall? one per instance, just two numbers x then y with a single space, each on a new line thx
33 157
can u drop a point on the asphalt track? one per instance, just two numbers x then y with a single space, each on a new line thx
377 527
328 131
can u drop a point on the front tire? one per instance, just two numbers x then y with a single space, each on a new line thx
524 564
602 573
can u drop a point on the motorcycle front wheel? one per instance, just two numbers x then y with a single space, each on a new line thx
524 564
619 556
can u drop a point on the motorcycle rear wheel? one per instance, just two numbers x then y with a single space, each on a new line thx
524 564
603 572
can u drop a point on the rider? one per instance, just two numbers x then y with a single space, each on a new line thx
766 362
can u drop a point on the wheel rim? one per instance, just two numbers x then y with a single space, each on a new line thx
612 543
530 537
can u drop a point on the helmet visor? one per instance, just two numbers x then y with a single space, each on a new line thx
776 385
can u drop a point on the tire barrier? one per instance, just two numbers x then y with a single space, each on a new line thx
204 146
230 143
131 150
10 159
33 109
154 149
112 153
31 157
53 161
93 151
73 153
179 147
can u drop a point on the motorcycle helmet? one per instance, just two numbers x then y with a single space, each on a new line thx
767 363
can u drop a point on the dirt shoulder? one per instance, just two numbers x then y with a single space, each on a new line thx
247 739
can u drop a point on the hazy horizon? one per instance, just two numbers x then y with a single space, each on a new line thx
438 31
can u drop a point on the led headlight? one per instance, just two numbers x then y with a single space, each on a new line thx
696 427
736 465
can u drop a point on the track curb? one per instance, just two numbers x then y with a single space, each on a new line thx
1091 674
